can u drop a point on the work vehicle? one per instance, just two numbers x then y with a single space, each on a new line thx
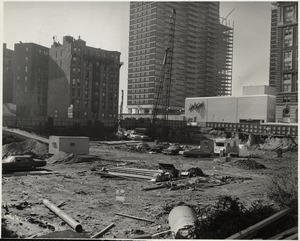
21 163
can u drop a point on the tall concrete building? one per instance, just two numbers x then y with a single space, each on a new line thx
202 46
7 75
30 79
83 81
284 60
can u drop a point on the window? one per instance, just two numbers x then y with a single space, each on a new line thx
18 68
286 99
26 49
40 51
289 14
25 78
72 144
288 37
26 59
287 65
287 82
73 81
25 89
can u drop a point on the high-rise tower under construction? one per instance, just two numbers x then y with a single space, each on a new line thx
202 55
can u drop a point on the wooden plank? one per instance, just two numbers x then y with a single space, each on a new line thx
285 233
100 234
129 175
133 217
260 225
136 169
29 173
292 237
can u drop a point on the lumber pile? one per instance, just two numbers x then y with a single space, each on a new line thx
136 173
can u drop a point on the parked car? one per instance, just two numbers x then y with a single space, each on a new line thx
172 150
196 152
159 147
21 163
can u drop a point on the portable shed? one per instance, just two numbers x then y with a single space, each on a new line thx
69 144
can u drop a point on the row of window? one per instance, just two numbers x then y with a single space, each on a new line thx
136 102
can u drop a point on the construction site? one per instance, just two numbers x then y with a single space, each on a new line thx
127 189
154 177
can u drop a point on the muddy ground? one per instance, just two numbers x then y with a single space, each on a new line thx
91 199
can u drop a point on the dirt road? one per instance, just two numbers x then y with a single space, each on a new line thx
91 199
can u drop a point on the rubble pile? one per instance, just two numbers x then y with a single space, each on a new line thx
30 146
248 164
272 143
140 148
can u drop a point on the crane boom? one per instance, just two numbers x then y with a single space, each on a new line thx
162 98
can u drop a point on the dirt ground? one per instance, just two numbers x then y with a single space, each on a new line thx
91 199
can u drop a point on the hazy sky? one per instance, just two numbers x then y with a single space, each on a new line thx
105 25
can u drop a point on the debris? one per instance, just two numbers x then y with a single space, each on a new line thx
182 222
154 188
71 222
61 204
246 233
133 217
150 236
100 234
196 172
169 168
248 164
66 234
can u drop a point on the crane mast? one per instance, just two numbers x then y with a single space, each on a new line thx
163 88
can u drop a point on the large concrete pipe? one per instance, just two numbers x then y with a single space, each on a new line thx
182 222
70 221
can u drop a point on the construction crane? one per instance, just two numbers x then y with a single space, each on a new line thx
163 88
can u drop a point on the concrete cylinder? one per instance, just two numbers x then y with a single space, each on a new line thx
182 221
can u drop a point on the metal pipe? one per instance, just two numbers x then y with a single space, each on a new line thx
133 217
70 221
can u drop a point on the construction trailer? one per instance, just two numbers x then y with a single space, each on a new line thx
69 144
223 146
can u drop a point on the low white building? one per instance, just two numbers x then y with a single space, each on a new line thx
230 109
69 144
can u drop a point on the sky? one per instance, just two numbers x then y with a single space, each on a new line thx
106 25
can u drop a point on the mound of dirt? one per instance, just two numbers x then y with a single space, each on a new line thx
272 143
29 146
248 164
62 157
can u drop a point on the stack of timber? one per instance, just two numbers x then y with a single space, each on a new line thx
134 172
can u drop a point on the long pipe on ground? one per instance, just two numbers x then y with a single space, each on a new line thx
70 221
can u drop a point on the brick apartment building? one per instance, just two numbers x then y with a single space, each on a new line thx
83 81
30 79
284 60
